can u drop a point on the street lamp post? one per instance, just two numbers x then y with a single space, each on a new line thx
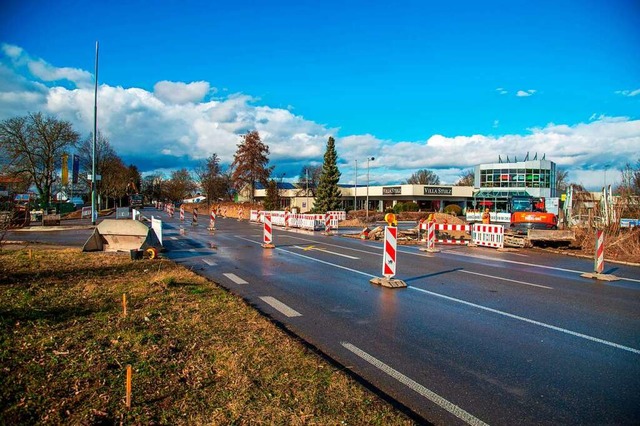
368 159
355 190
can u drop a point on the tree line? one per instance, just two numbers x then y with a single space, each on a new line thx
32 148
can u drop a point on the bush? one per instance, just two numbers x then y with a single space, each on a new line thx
453 209
405 207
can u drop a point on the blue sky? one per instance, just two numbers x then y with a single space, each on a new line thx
437 85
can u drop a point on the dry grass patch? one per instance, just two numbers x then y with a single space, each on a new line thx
199 355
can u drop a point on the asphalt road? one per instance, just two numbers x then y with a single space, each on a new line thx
478 336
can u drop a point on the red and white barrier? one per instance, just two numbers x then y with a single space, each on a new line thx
327 223
287 217
488 235
390 251
431 228
195 217
338 214
212 220
267 234
181 214
599 254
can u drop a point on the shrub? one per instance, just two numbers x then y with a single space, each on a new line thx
453 209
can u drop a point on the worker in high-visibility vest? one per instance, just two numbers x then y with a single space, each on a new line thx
486 217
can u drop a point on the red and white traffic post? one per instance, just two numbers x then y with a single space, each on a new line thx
181 214
267 234
327 224
389 260
598 261
212 220
287 217
194 221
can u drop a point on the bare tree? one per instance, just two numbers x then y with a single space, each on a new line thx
309 178
467 178
250 163
562 182
424 177
33 146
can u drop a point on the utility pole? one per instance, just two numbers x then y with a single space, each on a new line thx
368 159
94 213
355 190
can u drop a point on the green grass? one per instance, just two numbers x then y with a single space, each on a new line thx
199 354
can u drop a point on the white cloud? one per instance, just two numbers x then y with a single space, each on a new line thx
524 93
496 124
174 127
501 91
45 71
628 93
181 93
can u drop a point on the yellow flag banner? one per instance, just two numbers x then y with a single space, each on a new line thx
65 169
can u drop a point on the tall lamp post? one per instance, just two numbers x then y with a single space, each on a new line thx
368 159
355 190
94 212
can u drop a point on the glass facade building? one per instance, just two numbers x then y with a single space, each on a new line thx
499 181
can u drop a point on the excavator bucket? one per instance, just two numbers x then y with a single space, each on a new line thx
122 235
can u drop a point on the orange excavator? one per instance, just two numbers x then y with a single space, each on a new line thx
532 226
529 213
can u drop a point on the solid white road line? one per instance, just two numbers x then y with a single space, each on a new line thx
327 251
280 307
209 262
535 265
192 250
464 302
236 279
504 279
417 387
530 321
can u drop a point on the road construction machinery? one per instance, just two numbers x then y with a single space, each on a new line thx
532 225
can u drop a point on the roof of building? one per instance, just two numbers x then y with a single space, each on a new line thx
279 185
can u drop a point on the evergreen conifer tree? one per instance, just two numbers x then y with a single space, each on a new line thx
328 195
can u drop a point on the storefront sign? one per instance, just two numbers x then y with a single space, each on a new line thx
391 190
439 190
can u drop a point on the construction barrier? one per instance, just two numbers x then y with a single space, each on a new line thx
389 260
390 251
432 230
327 223
212 220
599 254
181 214
156 225
338 214
194 221
172 208
488 235
267 234
311 222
